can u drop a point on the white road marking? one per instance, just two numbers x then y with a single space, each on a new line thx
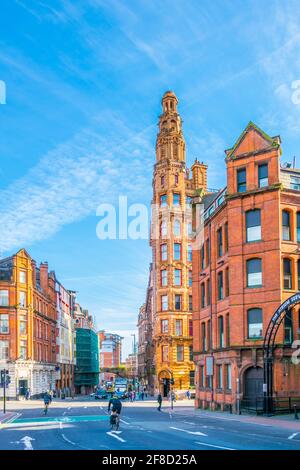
85 407
293 435
125 422
27 442
68 440
69 408
187 422
113 434
196 433
211 445
64 413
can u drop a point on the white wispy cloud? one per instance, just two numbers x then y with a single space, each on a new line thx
97 165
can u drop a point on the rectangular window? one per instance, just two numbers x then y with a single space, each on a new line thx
164 277
176 179
164 303
23 349
164 326
4 349
163 200
202 295
189 253
287 274
263 180
162 180
227 330
190 303
203 337
3 298
255 324
23 327
288 328
201 377
22 277
177 277
254 273
221 331
219 377
190 327
253 225
226 237
220 243
207 252
286 226
202 257
163 252
165 353
4 324
208 291
190 278
188 201
228 377
176 199
177 302
220 285
227 282
177 251
295 183
180 353
22 299
178 327
241 180
192 377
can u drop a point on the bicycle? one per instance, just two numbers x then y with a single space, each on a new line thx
114 421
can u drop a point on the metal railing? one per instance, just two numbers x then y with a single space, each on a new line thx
279 405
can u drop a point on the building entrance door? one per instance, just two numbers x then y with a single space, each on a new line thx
23 385
166 387
253 385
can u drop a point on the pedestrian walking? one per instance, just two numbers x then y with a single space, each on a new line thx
188 395
142 395
159 401
27 394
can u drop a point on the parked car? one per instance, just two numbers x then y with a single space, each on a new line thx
101 395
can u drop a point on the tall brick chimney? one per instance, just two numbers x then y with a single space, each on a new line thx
199 171
44 276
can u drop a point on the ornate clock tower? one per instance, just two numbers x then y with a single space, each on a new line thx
172 252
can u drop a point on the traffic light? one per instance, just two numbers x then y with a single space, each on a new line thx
4 377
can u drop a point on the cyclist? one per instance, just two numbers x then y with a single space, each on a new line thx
47 400
115 406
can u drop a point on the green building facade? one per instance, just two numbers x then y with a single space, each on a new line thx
87 361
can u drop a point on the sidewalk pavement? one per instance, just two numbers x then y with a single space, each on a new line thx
7 416
286 421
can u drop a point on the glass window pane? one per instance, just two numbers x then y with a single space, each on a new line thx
3 298
263 175
255 326
176 199
241 180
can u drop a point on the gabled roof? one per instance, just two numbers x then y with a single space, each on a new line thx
263 141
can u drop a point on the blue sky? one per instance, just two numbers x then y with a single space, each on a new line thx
84 81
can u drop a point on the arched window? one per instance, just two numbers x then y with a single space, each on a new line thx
254 272
286 226
177 228
255 323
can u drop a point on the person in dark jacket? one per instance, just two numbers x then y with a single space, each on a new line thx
159 400
115 404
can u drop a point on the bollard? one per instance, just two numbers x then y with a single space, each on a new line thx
295 411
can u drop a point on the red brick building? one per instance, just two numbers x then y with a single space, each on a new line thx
245 264
110 351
